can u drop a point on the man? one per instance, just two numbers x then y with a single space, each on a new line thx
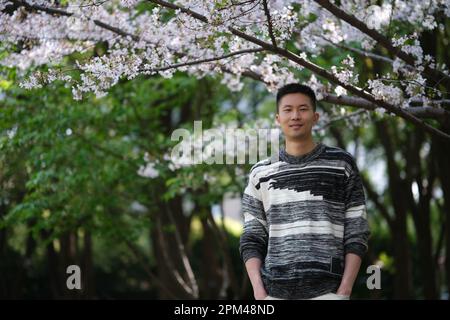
305 222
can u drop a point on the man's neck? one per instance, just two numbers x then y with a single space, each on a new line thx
300 147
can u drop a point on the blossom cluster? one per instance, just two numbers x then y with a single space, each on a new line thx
161 40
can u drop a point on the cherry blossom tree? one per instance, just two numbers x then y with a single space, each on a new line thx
272 41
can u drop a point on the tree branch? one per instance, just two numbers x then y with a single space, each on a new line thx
21 3
269 23
375 199
143 261
356 91
435 75
359 51
195 62
347 116
182 9
57 11
420 112
184 258
416 106
174 271
221 238
116 30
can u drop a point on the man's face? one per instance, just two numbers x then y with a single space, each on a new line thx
296 116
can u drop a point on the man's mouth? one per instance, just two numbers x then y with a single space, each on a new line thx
295 126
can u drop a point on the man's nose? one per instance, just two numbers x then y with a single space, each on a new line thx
295 115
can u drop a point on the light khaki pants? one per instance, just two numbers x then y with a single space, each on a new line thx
327 296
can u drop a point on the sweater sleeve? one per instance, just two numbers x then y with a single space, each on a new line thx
253 241
356 228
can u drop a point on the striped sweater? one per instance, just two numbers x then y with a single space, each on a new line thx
302 214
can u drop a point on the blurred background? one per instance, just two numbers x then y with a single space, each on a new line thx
85 183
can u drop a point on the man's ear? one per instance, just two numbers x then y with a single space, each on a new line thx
277 119
316 117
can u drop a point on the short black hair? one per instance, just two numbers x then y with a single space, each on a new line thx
296 88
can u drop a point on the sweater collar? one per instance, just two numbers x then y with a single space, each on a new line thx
314 153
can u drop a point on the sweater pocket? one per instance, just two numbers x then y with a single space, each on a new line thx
336 265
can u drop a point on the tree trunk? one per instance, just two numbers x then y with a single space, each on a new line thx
403 276
421 211
88 280
167 253
211 279
444 177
